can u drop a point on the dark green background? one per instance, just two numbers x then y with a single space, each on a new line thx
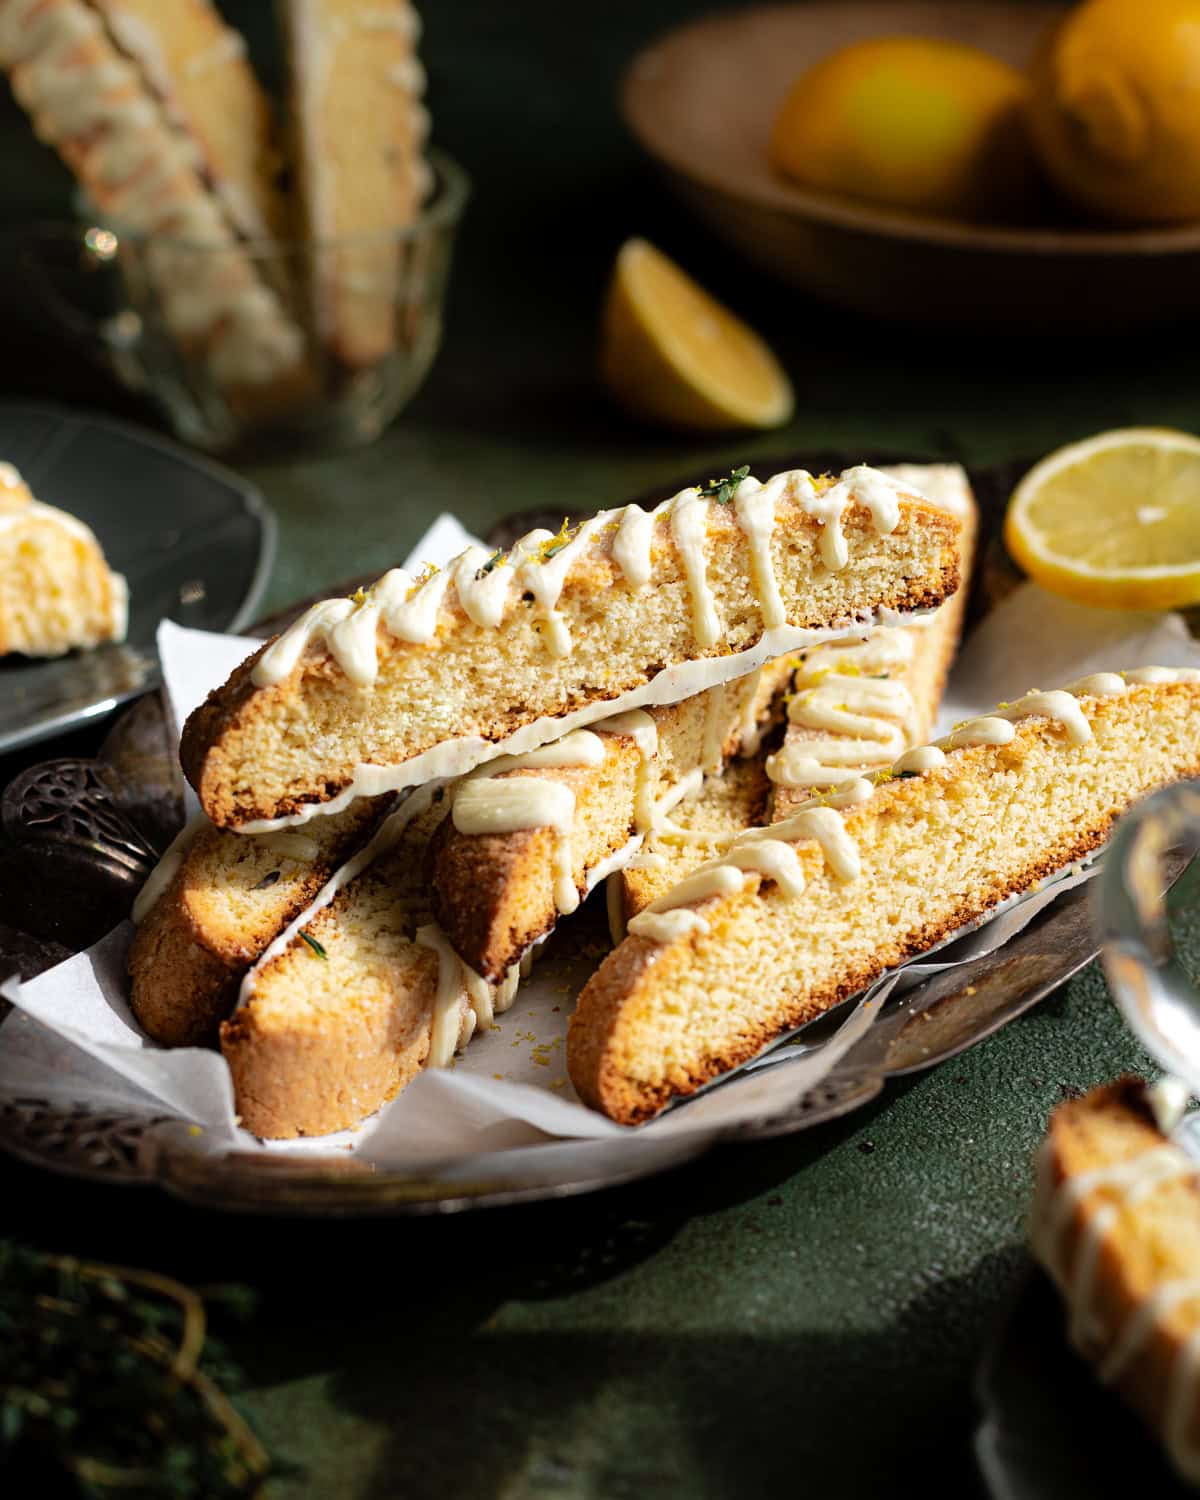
803 1315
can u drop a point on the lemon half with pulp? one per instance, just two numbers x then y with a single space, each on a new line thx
1113 520
672 354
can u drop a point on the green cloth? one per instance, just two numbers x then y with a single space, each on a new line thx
800 1316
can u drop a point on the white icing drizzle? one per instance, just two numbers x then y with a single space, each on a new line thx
713 737
1152 676
689 531
1168 1099
1060 705
632 545
463 1002
988 730
484 582
484 804
1099 685
167 868
287 844
642 729
545 579
919 759
448 1018
825 826
409 609
844 689
766 851
754 504
772 858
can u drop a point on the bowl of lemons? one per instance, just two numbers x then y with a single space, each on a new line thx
967 163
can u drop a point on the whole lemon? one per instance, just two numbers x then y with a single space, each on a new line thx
1115 109
930 126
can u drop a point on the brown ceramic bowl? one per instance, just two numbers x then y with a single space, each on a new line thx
702 101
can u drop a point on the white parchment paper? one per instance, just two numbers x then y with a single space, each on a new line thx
72 1041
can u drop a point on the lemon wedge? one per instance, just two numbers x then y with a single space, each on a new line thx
673 354
1113 520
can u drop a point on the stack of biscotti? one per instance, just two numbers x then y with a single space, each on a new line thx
535 713
155 108
852 708
792 918
1116 1223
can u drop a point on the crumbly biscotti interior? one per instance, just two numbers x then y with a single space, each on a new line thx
938 850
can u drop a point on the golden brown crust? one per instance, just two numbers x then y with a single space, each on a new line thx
624 1058
180 987
494 893
308 1080
1145 1244
596 1070
243 768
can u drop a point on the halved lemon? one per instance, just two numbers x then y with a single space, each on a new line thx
1113 520
673 354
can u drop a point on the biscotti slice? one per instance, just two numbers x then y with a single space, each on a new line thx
211 906
798 916
197 66
56 590
359 130
1116 1223
138 170
528 837
855 706
359 994
424 679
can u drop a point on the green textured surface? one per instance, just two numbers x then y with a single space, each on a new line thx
800 1314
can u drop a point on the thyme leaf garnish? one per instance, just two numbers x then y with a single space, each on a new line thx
267 881
723 490
318 951
487 567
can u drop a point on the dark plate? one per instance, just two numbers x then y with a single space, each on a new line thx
194 542
1049 1428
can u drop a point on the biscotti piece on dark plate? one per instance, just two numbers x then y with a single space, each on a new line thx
422 679
795 917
